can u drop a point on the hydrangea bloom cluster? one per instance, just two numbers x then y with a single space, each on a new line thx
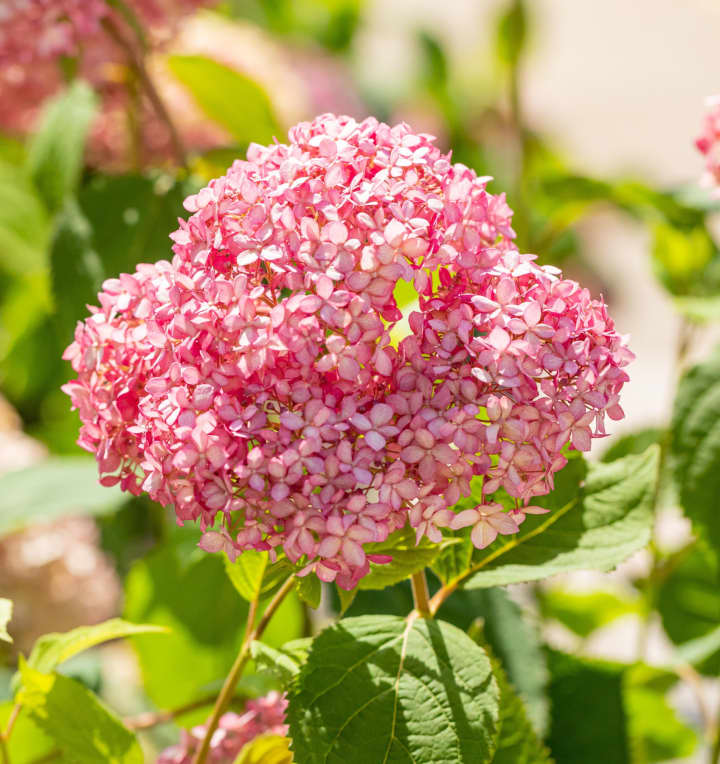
264 715
708 143
255 384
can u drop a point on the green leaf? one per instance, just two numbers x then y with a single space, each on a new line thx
454 559
407 558
511 33
688 601
695 447
633 443
516 641
518 742
247 572
681 256
583 613
81 726
588 722
28 742
381 688
655 732
632 722
284 665
253 575
228 97
6 608
189 592
116 223
51 650
608 519
266 749
346 598
54 488
309 590
55 154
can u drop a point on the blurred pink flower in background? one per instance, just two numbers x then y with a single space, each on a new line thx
262 716
708 143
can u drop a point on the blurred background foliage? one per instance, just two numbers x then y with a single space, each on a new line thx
74 553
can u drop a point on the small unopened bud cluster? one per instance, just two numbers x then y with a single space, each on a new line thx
254 382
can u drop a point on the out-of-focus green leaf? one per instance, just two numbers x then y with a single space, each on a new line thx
655 733
6 608
24 223
698 310
583 613
266 749
55 155
82 727
381 687
116 223
517 742
28 742
190 593
608 519
689 604
515 641
54 488
681 256
629 721
51 650
309 590
633 443
511 34
228 97
407 558
695 446
588 721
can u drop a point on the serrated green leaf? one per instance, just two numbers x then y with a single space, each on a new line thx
6 608
407 558
227 97
55 488
454 559
55 154
695 446
266 749
51 650
584 612
608 519
309 590
81 726
382 688
284 665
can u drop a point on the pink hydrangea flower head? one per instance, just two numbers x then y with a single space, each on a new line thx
262 716
708 143
254 383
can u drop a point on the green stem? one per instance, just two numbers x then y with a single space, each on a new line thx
421 594
228 690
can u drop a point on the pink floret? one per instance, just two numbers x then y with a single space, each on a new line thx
253 382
